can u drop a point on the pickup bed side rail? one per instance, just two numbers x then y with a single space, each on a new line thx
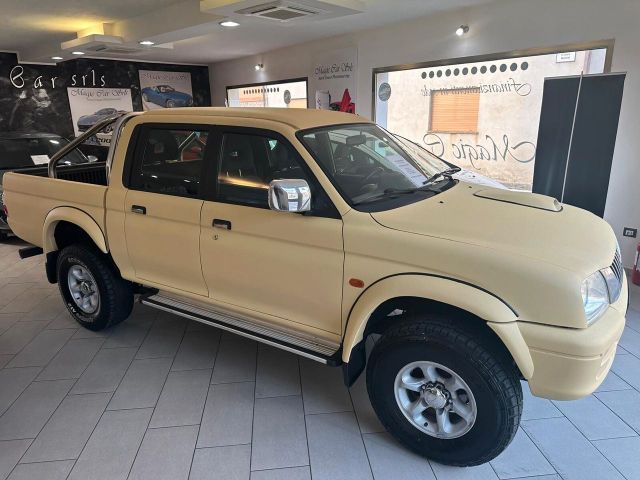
118 119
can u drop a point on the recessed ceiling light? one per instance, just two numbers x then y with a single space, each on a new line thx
147 42
56 58
259 66
77 53
229 24
462 29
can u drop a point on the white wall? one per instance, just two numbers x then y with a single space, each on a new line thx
497 27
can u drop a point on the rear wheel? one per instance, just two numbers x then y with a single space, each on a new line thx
92 289
450 395
145 97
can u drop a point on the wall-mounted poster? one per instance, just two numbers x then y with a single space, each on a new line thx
333 80
91 105
165 89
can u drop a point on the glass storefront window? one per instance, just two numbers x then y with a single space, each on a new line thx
283 94
480 115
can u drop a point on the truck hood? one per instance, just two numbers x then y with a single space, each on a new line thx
517 223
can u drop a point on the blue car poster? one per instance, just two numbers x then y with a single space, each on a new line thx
91 105
165 89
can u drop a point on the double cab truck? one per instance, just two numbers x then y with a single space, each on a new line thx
312 231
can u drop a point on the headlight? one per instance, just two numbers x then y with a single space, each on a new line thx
595 296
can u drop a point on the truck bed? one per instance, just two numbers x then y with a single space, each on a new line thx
31 196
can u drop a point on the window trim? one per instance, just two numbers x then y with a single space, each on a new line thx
211 193
141 134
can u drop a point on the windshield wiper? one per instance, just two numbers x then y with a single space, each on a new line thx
389 192
444 173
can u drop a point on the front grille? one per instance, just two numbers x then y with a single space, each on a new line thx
617 267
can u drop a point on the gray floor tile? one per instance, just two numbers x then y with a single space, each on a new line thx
228 463
50 309
481 472
105 371
279 436
42 348
594 419
633 319
612 383
7 320
624 453
323 389
367 418
72 360
28 414
130 333
228 415
18 336
390 460
13 381
625 404
69 428
4 359
236 360
630 341
295 473
63 320
277 373
142 384
521 459
112 447
336 449
26 300
182 399
165 453
572 456
10 453
198 350
42 471
535 408
627 367
164 337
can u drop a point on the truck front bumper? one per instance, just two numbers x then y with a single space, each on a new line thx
571 363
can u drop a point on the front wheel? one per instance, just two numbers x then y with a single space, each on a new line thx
171 104
93 290
445 393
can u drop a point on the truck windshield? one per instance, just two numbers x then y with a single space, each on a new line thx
27 152
367 163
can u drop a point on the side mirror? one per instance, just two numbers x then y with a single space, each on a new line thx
289 196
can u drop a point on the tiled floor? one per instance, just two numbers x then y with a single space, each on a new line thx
161 398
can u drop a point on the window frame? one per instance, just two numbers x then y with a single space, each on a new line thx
135 152
211 182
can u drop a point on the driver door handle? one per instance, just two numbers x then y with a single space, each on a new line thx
139 209
218 223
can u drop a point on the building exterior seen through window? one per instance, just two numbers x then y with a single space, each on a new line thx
482 116
286 94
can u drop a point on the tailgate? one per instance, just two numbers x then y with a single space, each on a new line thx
29 199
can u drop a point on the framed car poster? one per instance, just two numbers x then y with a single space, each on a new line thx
90 105
165 89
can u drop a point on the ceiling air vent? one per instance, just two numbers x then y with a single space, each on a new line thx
279 11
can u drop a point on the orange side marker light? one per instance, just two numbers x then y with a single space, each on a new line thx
356 282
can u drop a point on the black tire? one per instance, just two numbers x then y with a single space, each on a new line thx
170 104
115 293
477 359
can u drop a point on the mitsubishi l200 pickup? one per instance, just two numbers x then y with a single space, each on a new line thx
312 230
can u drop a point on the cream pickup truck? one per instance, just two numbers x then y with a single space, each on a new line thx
312 231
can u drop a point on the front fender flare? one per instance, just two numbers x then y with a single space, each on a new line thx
78 218
496 312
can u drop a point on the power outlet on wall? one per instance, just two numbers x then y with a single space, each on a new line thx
630 232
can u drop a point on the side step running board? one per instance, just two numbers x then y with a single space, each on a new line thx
224 321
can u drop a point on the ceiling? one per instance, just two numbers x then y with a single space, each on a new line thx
35 29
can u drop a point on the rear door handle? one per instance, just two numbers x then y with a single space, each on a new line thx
218 223
139 209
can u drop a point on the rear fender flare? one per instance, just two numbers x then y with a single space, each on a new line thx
78 218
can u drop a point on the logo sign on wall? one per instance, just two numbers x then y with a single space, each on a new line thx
333 79
91 105
165 89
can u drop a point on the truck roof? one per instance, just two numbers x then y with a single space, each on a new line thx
299 118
